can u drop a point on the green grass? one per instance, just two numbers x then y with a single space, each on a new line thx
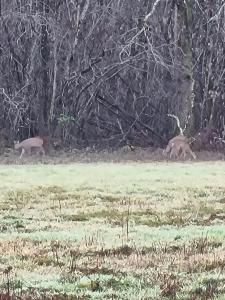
121 231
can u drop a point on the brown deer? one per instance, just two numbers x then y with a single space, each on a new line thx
179 137
29 144
181 148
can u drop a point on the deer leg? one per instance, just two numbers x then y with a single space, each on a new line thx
22 153
167 150
173 153
42 151
183 154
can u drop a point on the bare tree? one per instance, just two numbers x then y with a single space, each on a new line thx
109 72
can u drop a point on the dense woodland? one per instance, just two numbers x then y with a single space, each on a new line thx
110 72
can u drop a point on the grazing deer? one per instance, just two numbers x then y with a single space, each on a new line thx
179 137
29 144
181 148
178 146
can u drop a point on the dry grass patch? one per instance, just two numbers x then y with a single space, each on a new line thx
113 231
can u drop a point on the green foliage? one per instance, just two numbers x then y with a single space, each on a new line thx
65 119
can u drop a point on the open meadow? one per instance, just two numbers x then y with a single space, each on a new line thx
113 230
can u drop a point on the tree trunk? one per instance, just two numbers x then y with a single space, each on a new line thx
45 56
183 73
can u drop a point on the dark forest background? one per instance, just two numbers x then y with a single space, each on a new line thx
108 72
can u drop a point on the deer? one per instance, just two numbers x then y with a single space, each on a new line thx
179 137
181 148
29 144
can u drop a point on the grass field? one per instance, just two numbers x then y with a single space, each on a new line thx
113 231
